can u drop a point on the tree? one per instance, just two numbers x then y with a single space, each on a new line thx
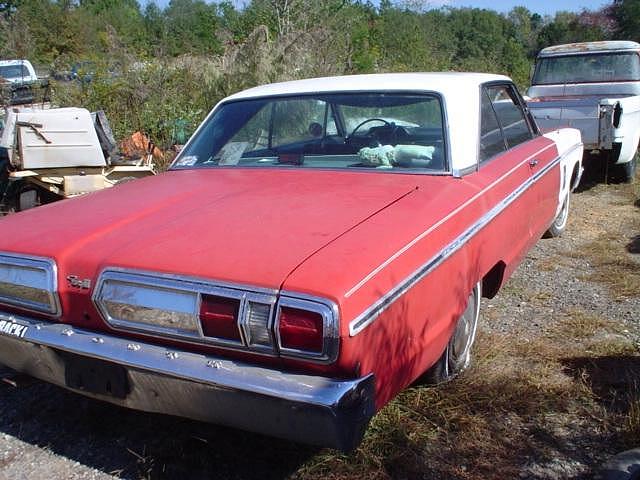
627 15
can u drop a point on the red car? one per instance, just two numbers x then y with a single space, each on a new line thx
316 247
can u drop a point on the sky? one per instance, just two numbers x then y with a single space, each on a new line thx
543 7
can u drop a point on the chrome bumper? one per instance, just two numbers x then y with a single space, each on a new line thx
303 408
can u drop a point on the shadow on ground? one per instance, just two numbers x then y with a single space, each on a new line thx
596 171
615 380
132 444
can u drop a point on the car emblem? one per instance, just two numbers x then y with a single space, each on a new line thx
77 282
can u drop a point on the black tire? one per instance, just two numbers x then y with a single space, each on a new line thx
628 170
28 197
457 354
624 466
560 222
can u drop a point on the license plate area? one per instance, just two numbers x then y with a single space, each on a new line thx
95 376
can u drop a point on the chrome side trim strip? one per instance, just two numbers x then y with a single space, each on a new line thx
454 212
372 313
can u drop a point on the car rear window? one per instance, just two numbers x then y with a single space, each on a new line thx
364 130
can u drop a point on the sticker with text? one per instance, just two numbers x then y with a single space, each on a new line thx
12 328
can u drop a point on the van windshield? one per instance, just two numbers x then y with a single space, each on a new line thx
603 67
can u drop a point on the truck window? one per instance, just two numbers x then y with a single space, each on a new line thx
603 67
14 71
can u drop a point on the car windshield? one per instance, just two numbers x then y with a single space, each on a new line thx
609 67
356 130
13 71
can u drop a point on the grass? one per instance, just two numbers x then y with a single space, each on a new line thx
486 423
609 249
579 324
632 420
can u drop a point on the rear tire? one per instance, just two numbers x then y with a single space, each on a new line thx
457 354
560 222
628 170
29 197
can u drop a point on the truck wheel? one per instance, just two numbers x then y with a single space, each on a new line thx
628 170
560 222
28 197
457 355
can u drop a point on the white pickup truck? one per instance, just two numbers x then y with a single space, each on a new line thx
594 87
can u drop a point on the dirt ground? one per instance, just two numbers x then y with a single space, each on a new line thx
553 391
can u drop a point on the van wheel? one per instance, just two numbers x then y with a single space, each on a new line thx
457 354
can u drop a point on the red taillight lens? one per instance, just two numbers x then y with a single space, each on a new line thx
219 317
301 330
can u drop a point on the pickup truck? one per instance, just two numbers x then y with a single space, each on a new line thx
594 87
19 81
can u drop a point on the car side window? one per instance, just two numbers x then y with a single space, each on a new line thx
491 139
510 115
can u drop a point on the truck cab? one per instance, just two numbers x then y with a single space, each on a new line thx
594 87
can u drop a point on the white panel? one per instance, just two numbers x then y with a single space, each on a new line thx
66 138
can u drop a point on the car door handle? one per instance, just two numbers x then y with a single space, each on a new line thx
533 162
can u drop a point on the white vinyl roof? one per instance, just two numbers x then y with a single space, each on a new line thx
460 92
589 47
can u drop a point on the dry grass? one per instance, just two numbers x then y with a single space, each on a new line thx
579 324
632 420
608 249
486 423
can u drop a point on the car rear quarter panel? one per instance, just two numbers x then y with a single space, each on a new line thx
379 257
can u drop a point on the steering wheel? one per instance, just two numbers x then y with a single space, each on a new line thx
368 120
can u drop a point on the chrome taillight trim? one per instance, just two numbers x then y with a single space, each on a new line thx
245 294
330 314
244 321
49 287
185 285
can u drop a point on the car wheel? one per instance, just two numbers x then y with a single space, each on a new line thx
457 354
560 222
624 466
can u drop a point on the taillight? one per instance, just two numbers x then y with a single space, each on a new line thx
219 317
301 330
307 328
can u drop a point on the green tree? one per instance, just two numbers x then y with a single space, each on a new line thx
627 15
191 27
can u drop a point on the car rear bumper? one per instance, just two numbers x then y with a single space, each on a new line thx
303 408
